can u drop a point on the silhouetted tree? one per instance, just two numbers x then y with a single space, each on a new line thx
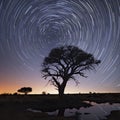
43 93
64 63
25 90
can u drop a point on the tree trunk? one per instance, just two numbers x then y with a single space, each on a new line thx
61 88
61 91
26 93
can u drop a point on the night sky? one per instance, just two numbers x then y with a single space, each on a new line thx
29 29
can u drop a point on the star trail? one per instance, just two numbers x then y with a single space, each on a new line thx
29 29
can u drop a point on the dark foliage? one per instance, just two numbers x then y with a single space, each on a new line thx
25 90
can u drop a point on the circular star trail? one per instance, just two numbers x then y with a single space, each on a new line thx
29 29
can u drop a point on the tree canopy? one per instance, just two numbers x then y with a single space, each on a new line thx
25 90
64 63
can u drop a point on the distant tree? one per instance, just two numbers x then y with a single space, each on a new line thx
25 90
43 93
90 92
64 63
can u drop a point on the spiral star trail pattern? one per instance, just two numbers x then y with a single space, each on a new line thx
29 29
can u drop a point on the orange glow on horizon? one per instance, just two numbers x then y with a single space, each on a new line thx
10 84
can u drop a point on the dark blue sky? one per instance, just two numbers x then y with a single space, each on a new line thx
29 29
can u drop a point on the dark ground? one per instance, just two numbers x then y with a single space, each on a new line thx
14 107
115 115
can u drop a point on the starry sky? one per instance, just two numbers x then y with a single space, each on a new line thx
29 29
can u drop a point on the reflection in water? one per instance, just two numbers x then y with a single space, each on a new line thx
35 111
95 112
